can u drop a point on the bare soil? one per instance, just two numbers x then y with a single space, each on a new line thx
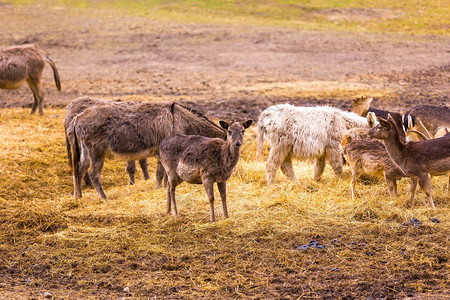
225 71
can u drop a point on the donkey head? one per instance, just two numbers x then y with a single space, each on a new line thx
235 131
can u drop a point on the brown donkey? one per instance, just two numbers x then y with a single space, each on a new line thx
25 63
79 105
201 160
129 132
419 159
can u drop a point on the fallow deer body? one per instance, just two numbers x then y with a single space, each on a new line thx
201 160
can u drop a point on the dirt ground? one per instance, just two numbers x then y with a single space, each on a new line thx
224 71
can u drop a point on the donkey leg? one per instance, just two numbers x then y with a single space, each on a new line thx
319 166
160 175
448 186
78 173
87 179
334 157
144 167
96 168
288 170
277 156
222 186
208 185
131 169
35 87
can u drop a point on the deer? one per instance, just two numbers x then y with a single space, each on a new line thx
370 156
416 159
26 63
426 121
202 160
128 132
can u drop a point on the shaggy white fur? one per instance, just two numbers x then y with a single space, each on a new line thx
304 133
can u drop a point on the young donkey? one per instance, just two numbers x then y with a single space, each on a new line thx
419 159
25 63
201 160
129 132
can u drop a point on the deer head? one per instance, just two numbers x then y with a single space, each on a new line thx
235 131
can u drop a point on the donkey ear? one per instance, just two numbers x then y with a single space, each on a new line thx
371 119
224 124
247 123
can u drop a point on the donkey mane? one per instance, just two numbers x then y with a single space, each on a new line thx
195 112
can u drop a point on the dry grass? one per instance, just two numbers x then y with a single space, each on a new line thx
93 248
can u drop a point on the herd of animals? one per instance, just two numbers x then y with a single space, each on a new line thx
192 148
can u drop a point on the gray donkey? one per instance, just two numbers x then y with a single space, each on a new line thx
129 132
79 105
201 160
26 63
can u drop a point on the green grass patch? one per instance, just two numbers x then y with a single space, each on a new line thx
410 16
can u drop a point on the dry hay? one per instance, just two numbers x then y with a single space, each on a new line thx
93 248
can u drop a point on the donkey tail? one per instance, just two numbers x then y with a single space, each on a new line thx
73 148
68 147
260 148
55 72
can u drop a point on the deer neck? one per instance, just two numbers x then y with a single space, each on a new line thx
231 154
396 150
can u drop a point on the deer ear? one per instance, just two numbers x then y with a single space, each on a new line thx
390 118
384 122
224 124
247 123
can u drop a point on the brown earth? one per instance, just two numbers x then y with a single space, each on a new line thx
225 71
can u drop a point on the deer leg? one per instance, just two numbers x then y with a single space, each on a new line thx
288 170
426 180
319 166
131 169
392 186
334 157
173 181
413 188
277 156
208 185
96 168
355 175
222 186
160 175
144 167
